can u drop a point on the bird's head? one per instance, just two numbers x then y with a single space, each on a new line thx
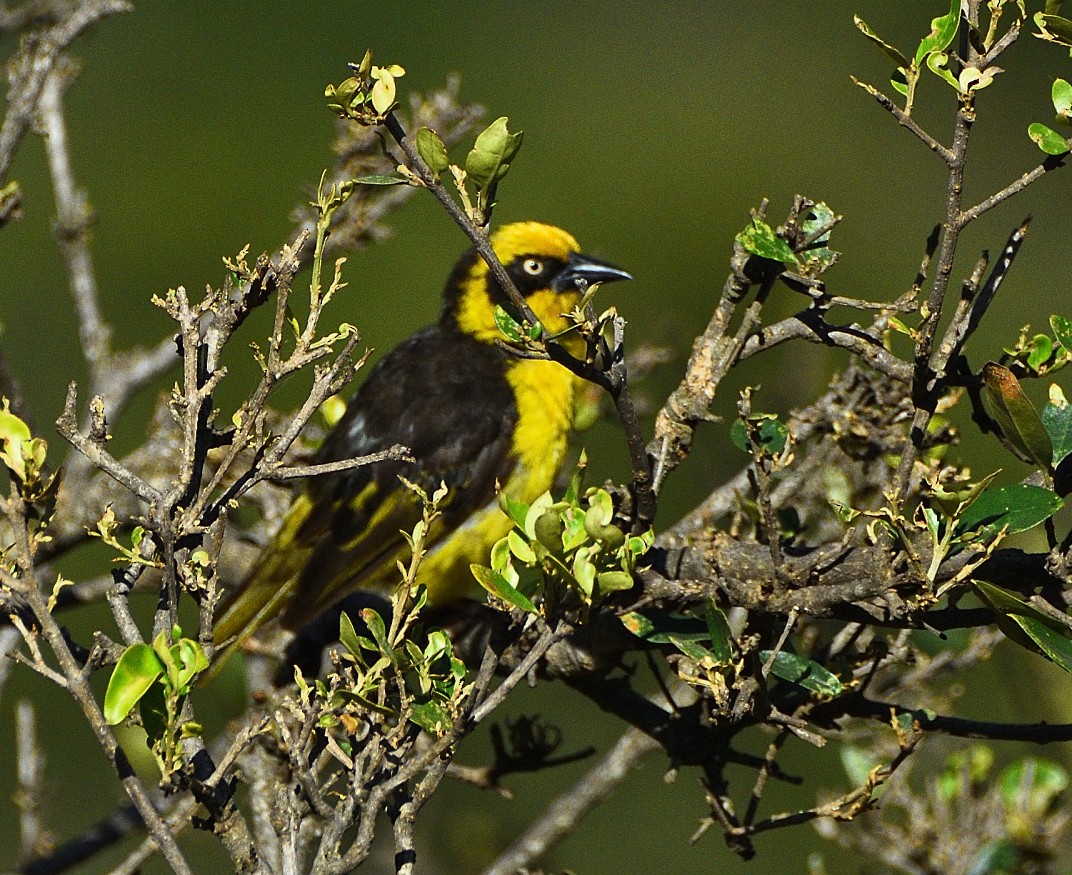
547 267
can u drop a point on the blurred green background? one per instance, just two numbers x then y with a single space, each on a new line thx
650 130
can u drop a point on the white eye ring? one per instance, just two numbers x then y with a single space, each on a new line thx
532 266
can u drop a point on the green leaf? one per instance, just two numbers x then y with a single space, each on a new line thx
516 510
1054 644
659 627
818 255
1062 98
190 660
1062 330
14 433
803 672
508 326
597 521
1028 626
695 651
759 239
136 671
936 63
1057 419
432 150
637 623
548 527
1054 28
614 581
379 633
492 153
430 716
718 628
1041 350
943 29
1020 507
1007 405
520 547
381 179
348 636
1047 139
499 587
899 59
771 435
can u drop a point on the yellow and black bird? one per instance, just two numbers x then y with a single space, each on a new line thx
472 416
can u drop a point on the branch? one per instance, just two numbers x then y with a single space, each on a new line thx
31 67
565 813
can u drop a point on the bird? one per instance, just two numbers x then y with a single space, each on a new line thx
472 414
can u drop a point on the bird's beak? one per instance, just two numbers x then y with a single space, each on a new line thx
582 271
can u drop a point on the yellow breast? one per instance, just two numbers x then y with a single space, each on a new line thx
544 392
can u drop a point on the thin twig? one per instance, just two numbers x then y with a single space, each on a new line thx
565 813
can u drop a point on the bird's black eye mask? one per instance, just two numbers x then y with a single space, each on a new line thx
530 274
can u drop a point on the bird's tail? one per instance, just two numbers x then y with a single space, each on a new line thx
269 587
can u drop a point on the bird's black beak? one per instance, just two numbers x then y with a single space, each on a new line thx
583 271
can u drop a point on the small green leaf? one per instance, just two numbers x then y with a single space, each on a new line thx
499 587
771 435
936 63
718 628
492 153
1062 98
508 326
381 179
1057 419
1007 405
659 627
1054 28
14 433
803 672
1062 330
759 239
520 547
430 716
379 632
348 636
943 29
1047 139
637 623
516 510
899 59
190 659
1020 507
136 671
1041 350
695 651
597 520
614 581
1028 626
549 527
1055 645
432 150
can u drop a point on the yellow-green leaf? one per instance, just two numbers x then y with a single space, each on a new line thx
136 671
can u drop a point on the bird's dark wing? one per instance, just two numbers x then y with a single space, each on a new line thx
442 395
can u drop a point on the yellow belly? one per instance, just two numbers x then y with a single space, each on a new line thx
544 392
